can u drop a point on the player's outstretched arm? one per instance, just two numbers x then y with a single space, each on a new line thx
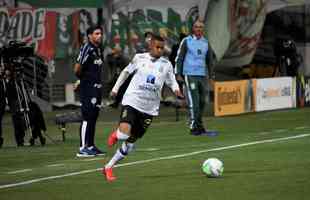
129 69
120 80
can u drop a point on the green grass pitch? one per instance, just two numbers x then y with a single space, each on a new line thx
266 157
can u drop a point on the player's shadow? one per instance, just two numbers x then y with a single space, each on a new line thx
227 173
170 175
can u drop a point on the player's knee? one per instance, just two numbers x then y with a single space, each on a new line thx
124 127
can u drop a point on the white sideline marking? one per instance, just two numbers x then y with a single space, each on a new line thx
154 159
301 127
148 149
92 159
56 165
280 130
20 171
264 133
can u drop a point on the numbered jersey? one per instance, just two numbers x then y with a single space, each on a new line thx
144 90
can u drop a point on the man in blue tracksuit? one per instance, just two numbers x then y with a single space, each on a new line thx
88 69
193 64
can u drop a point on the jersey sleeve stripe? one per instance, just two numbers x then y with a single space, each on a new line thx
84 53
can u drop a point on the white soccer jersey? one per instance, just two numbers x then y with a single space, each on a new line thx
143 92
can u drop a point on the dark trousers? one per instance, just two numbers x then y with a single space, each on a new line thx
2 107
18 123
88 129
2 110
90 99
19 128
196 98
15 104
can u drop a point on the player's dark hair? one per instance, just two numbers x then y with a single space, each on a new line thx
91 29
158 38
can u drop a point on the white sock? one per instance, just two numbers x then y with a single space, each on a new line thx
121 136
120 154
116 158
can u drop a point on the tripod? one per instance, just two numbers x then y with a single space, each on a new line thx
23 102
32 113
24 111
26 114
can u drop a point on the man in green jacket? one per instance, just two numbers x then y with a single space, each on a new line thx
193 66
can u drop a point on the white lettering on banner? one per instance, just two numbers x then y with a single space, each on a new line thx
23 25
275 93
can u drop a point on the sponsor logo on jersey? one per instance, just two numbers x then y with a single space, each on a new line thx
98 62
150 79
149 87
199 52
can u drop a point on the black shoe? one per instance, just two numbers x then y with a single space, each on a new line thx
32 141
195 131
42 140
97 151
20 144
1 142
203 130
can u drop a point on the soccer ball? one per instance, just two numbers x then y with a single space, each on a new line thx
213 167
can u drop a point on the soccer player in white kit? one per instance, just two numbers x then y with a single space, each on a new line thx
141 100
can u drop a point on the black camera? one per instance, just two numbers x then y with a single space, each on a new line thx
12 56
16 49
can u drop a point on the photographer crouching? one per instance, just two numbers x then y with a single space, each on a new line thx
14 94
